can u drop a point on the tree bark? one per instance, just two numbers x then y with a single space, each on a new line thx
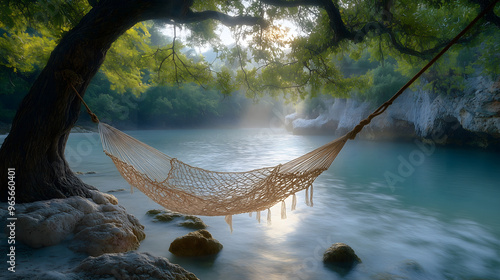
36 143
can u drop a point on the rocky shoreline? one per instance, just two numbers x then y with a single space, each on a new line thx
97 234
471 118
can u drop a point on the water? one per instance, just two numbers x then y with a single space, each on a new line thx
408 210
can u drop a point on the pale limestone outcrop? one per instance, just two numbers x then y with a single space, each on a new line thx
96 226
471 117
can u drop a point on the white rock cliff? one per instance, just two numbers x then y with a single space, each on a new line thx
471 118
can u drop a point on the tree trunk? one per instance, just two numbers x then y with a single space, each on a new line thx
36 143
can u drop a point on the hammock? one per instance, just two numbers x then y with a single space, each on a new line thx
180 187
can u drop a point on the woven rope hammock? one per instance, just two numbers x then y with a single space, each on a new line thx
180 187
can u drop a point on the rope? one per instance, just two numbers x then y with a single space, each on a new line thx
352 134
92 115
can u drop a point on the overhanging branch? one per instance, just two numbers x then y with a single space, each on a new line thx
490 16
291 4
225 19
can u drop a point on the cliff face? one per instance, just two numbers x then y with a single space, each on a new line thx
471 118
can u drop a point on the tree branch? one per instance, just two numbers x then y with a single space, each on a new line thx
490 16
225 19
292 4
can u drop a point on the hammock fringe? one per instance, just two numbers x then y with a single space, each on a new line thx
283 210
229 221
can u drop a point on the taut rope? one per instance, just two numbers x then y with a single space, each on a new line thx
91 114
352 134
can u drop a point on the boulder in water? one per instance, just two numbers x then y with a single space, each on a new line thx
96 226
341 257
197 243
110 230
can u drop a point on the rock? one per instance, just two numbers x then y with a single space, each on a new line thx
131 265
341 257
109 230
153 212
97 225
193 222
197 243
104 198
46 223
82 173
471 117
116 190
340 253
164 215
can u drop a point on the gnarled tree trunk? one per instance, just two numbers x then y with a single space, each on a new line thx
36 143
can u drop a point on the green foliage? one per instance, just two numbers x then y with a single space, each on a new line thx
163 106
294 57
311 108
386 82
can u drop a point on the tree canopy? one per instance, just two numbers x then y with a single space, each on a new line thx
293 47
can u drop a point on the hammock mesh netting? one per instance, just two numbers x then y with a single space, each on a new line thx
180 187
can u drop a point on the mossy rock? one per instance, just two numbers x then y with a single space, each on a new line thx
341 258
197 243
340 253
193 222
164 217
154 212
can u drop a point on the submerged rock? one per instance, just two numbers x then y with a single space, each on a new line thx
116 190
83 173
193 222
341 257
97 225
164 215
131 265
153 212
197 243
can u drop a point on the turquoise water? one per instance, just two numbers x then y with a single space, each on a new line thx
407 209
